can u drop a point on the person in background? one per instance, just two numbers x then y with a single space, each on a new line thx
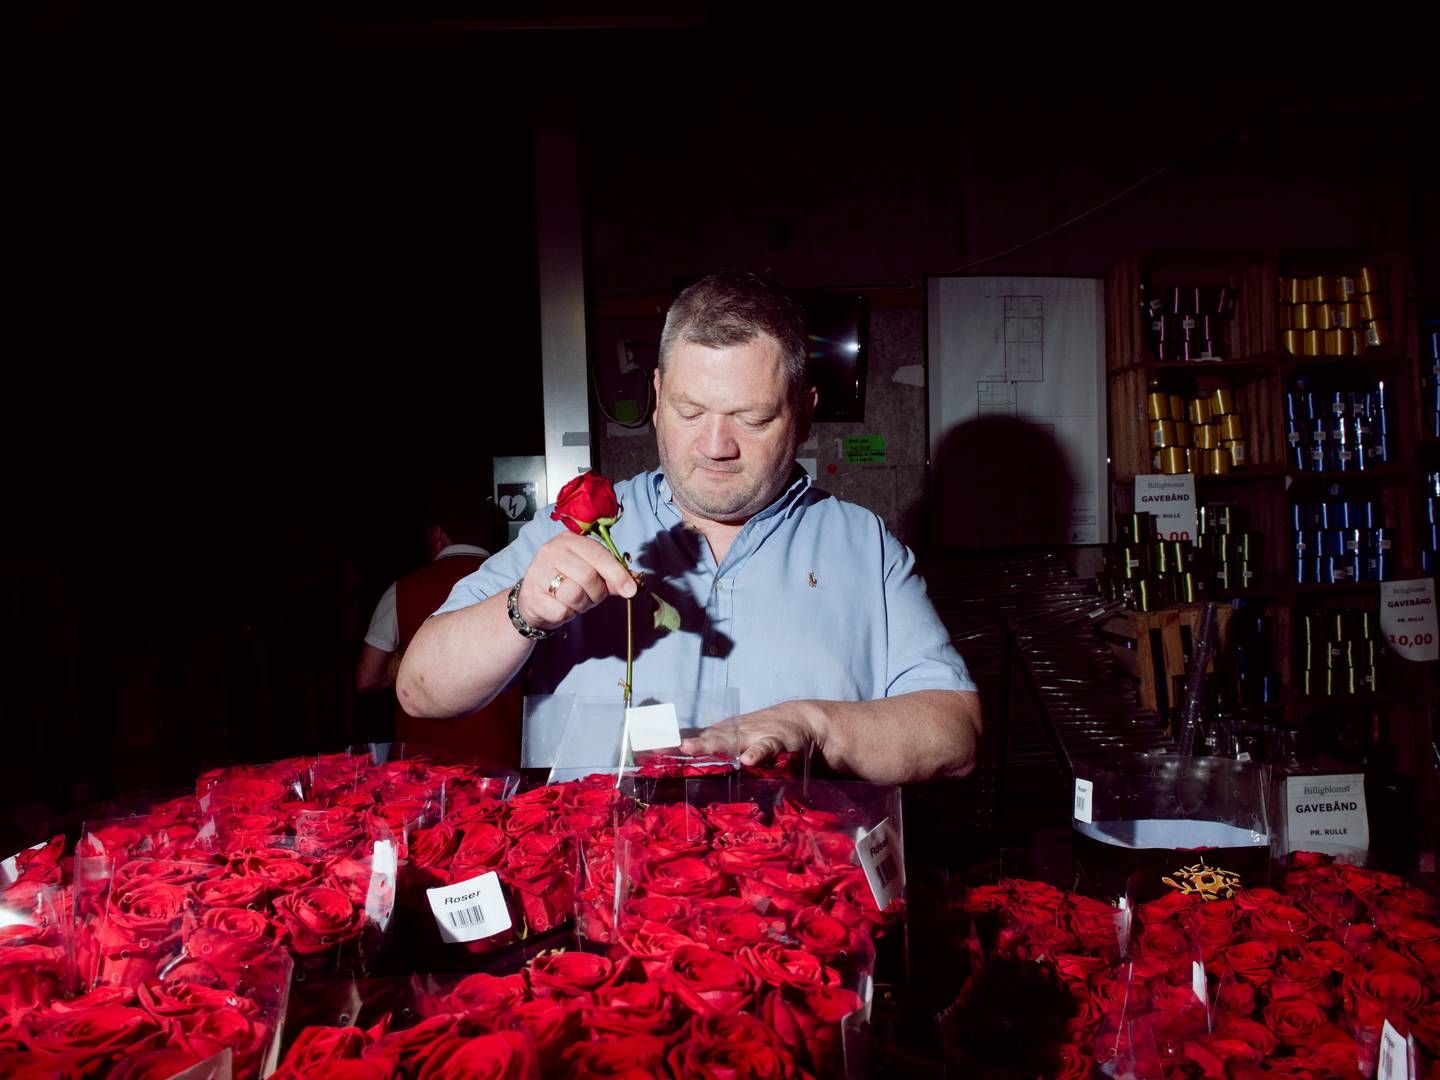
461 530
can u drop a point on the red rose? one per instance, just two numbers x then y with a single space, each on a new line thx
484 991
586 501
653 944
220 1028
708 981
824 935
750 851
155 1064
1370 997
631 1057
1236 998
779 966
1073 1063
685 876
736 1045
1252 960
1326 953
282 868
316 1046
481 847
552 1024
1337 1056
852 902
569 974
1248 1031
503 1055
633 1008
239 891
669 830
91 1037
729 930
1295 1020
404 1052
811 1019
319 919
668 910
786 891
731 817
1301 978
30 975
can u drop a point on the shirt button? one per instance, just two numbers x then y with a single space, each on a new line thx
712 650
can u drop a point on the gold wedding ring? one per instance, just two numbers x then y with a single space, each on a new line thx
555 583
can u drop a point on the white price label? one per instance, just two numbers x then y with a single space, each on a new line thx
380 894
1084 800
1407 618
1198 983
1394 1061
653 727
1327 813
1172 500
883 862
470 910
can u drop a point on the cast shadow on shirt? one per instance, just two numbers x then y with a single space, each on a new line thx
670 554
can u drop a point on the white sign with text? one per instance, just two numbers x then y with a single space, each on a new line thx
1327 813
1407 618
1172 500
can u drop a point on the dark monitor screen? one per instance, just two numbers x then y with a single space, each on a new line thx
837 328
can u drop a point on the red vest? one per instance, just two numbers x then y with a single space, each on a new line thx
492 733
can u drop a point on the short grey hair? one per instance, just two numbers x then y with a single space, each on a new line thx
732 308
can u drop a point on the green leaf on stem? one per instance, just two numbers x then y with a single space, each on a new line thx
666 617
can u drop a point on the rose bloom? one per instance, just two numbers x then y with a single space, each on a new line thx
779 966
586 500
569 974
708 981
811 1019
484 991
631 1057
653 944
633 1008
683 877
731 1045
319 919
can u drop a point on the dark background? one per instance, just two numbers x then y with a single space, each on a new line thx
275 280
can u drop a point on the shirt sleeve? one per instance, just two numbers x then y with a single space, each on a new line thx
384 631
920 654
505 567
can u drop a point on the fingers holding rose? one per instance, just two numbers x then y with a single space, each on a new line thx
568 576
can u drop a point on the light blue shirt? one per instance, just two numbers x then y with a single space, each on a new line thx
814 599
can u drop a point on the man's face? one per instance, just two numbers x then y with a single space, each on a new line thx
726 431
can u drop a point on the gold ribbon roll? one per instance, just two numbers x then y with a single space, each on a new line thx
1157 406
1198 409
1222 401
1306 294
1372 307
1217 462
1237 452
1348 315
1162 433
1336 342
1356 342
1293 342
1303 317
1367 279
1345 287
1145 598
1177 407
1205 436
1310 344
1182 433
1325 317
1174 460
1232 427
1322 288
1378 333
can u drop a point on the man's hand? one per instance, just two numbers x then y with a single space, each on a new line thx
583 574
791 725
921 735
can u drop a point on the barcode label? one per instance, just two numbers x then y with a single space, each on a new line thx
886 870
1084 800
470 910
883 861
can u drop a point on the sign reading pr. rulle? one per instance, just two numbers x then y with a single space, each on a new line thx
1172 500
1407 618
1327 813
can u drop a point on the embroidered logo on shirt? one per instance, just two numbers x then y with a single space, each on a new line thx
814 581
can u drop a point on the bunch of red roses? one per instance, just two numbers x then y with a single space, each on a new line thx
1296 982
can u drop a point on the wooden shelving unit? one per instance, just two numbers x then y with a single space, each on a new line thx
1258 372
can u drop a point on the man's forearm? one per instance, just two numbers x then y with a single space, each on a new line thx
923 735
460 660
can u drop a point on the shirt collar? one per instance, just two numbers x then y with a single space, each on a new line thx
462 549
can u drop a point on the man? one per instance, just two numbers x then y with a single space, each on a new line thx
459 531
805 603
